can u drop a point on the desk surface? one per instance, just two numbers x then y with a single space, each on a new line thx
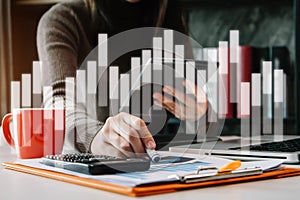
17 185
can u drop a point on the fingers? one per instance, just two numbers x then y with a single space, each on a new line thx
124 135
174 107
180 96
177 110
196 91
130 135
102 145
118 142
186 105
141 128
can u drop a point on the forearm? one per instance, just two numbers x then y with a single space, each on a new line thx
80 127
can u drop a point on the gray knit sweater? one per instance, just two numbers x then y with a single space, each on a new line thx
64 38
66 34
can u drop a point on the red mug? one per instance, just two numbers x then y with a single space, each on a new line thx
36 131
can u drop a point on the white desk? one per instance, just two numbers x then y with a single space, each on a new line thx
16 185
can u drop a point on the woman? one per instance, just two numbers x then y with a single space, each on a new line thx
69 31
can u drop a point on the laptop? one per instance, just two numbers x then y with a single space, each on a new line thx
286 148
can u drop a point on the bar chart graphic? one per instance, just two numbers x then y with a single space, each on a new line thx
159 81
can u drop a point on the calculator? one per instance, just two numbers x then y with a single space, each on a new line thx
92 164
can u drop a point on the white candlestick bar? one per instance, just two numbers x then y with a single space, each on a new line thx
59 123
102 50
267 97
91 92
223 95
81 86
168 74
212 64
36 70
234 46
146 80
212 84
245 115
238 80
70 94
135 85
201 81
92 88
223 79
190 75
278 103
267 77
114 90
256 89
179 61
26 90
190 78
157 53
113 82
15 95
135 73
69 142
59 113
48 98
234 64
157 67
168 46
47 118
201 98
146 66
36 84
223 57
256 106
179 73
245 99
278 86
103 86
102 70
124 92
91 77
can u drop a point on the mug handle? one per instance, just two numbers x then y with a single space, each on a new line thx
6 129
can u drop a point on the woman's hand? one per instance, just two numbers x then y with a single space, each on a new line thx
187 106
123 135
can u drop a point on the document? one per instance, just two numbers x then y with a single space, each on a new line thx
158 172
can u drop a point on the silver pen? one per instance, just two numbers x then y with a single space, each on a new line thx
155 157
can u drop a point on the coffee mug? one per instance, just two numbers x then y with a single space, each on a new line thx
36 131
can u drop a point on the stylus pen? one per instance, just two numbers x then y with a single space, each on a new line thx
155 157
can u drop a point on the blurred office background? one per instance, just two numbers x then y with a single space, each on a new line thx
261 24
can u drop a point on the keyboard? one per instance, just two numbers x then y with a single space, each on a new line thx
95 164
292 145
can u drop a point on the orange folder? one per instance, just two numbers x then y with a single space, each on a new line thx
149 189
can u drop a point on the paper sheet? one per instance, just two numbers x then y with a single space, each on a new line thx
156 173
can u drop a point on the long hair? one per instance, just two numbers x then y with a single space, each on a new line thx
173 14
